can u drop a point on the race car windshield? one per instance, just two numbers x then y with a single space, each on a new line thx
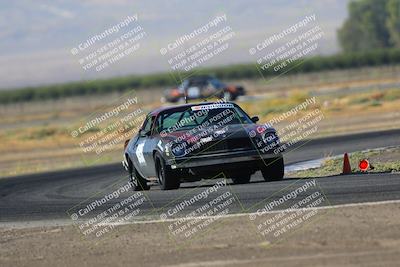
195 116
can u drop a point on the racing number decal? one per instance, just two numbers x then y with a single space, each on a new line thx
139 154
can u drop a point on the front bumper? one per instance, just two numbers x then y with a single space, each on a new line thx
220 159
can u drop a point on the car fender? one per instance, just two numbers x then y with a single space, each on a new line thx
131 153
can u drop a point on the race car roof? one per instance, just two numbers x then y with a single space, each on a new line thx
166 108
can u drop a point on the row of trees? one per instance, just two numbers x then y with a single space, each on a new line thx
372 24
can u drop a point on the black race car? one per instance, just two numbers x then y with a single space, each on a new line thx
198 141
203 87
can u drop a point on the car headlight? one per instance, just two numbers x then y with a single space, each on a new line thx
179 150
270 137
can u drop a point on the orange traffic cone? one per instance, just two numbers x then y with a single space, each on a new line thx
346 164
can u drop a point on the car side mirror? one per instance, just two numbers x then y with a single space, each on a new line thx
255 119
144 133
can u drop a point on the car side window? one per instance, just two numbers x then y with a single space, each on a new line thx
159 124
242 116
147 126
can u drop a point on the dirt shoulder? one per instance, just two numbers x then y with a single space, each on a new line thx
352 236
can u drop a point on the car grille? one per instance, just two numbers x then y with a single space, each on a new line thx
226 145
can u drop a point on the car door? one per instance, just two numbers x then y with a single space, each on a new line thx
148 148
139 147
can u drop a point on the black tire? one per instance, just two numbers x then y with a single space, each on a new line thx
137 181
274 170
241 178
233 97
166 176
240 90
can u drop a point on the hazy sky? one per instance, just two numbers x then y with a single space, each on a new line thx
37 36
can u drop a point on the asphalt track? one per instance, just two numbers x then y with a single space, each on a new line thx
48 196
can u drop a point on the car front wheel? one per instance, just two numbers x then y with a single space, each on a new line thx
273 170
166 176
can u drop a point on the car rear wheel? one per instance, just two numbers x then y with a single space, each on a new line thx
137 181
241 178
166 176
273 170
